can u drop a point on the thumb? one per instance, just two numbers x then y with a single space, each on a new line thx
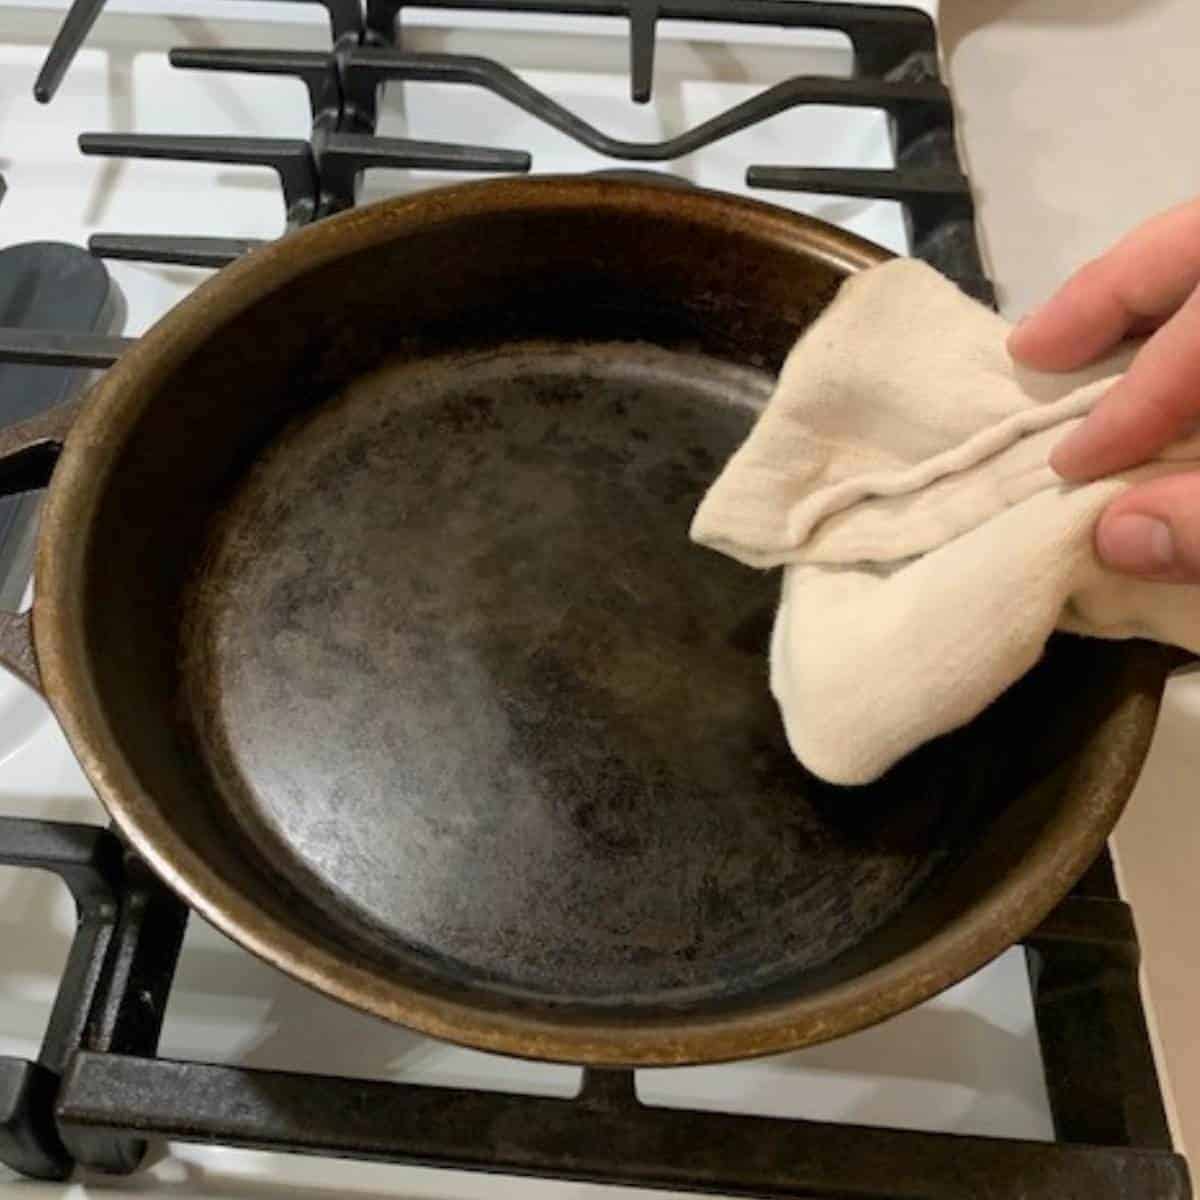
1153 530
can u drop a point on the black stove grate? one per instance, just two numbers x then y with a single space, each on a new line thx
98 1091
895 71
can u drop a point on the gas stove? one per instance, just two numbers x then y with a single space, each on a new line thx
169 144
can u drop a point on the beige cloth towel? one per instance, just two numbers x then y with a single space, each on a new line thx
900 475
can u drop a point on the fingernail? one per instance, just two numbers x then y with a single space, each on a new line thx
1029 316
1071 458
1019 329
1136 544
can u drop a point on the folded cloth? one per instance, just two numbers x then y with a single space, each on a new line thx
900 474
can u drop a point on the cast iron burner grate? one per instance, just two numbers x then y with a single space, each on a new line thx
896 71
98 1091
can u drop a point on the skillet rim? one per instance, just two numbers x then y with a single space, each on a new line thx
1099 786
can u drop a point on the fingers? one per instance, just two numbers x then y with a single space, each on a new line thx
1132 288
1153 530
1152 403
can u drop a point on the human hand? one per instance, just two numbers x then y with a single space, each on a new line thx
1148 283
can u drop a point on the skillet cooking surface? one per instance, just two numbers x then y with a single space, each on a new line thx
461 673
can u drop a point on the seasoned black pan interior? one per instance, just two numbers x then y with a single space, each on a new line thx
462 673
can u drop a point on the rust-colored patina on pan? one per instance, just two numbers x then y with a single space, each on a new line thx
365 598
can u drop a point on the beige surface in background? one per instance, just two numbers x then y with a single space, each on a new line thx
1078 118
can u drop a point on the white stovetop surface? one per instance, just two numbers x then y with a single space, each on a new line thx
967 1062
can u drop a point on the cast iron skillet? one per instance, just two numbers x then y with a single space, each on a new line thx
365 598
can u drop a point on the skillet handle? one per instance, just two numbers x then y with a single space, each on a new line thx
16 648
28 452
